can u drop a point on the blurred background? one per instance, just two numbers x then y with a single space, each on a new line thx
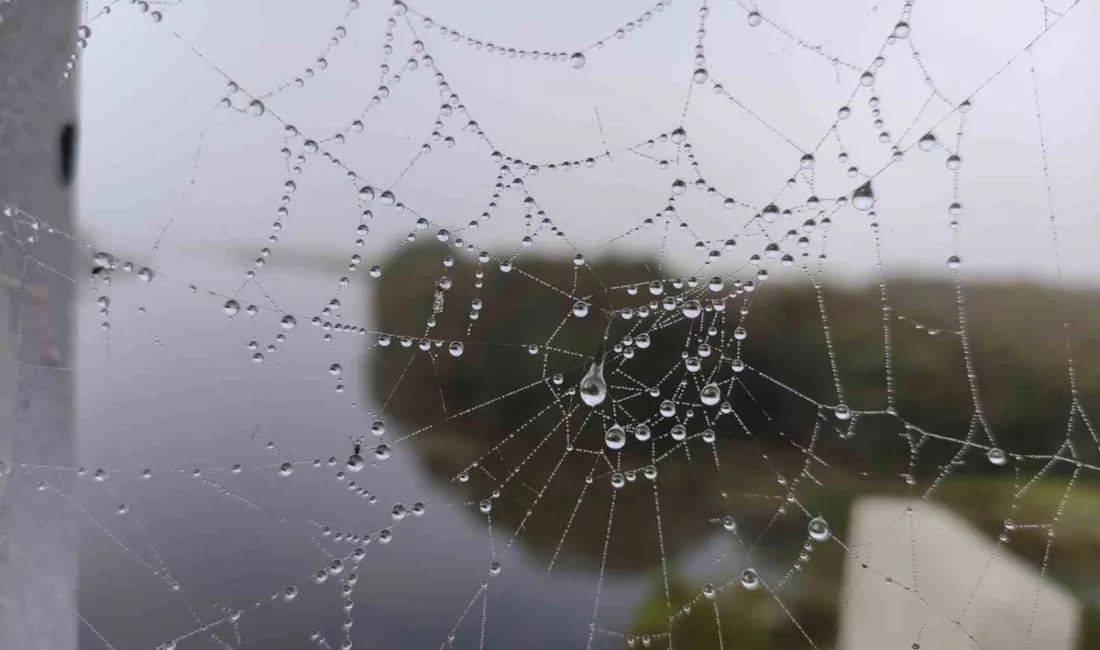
223 151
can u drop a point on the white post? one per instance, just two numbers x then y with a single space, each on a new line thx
944 588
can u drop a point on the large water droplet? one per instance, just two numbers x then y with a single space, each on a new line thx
256 108
863 198
577 61
997 456
593 387
615 437
710 395
355 462
818 529
755 19
927 142
749 579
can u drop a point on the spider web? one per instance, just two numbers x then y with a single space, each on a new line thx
442 339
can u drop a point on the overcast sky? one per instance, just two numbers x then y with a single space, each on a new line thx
147 98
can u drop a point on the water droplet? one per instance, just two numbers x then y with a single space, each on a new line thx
366 193
667 408
867 78
399 8
678 187
288 322
709 591
232 307
927 142
863 198
355 462
901 30
691 309
618 480
729 523
818 529
485 506
577 61
615 438
953 262
807 161
842 412
642 432
455 349
954 162
749 579
286 469
593 387
678 432
580 309
844 113
997 456
256 107
755 19
382 452
290 593
376 271
700 76
710 395
146 274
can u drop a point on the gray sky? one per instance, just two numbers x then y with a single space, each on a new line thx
147 99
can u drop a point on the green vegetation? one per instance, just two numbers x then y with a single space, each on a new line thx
1019 358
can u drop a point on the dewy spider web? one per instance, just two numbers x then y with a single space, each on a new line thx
648 423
